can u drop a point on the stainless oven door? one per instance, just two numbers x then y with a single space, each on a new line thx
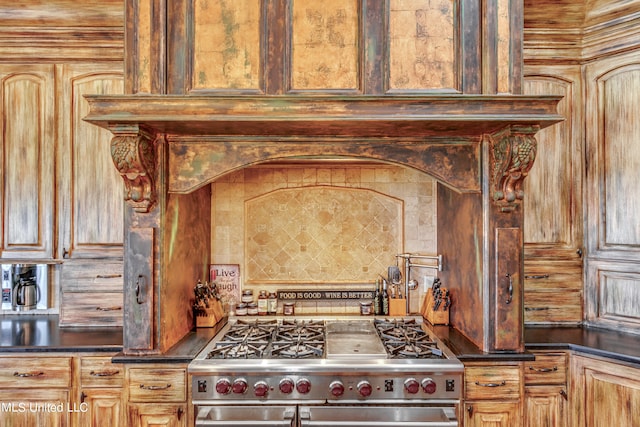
377 416
247 416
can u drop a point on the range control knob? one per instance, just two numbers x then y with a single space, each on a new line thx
286 385
261 389
429 386
239 386
336 388
412 385
223 386
303 386
364 388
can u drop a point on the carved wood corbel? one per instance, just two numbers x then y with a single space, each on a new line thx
513 152
133 153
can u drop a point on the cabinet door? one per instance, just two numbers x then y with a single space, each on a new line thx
100 408
91 190
157 415
27 142
604 394
492 414
545 406
34 408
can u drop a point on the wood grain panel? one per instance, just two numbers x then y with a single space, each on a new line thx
325 40
227 51
422 45
620 92
492 382
27 144
551 185
91 309
546 369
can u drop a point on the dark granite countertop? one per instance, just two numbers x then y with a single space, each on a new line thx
42 333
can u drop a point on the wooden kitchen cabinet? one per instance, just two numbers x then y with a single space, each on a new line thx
604 393
101 397
545 391
158 396
553 225
492 396
35 391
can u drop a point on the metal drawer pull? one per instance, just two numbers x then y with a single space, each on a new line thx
555 368
104 373
503 383
537 276
510 289
28 374
115 308
108 276
155 387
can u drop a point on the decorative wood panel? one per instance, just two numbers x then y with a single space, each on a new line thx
325 40
613 129
227 49
553 184
91 193
423 41
27 146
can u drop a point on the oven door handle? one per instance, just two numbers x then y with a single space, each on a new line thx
248 416
377 417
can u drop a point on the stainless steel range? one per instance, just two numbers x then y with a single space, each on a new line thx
341 372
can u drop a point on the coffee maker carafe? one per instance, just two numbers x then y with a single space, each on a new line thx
27 292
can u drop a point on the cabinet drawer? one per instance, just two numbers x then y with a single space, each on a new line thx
96 276
492 382
546 369
25 372
91 309
100 372
157 385
552 306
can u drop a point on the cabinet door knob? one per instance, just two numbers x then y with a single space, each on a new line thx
470 410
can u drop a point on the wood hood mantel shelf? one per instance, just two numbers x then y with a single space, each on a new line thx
363 116
209 136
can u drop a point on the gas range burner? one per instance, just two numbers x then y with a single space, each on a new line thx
405 338
259 339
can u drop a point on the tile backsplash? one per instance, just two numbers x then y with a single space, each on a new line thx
325 225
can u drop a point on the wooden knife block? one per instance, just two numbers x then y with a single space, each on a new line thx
210 316
435 317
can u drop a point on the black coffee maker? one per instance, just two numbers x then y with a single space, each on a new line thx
26 293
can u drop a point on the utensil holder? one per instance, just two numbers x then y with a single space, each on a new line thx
397 307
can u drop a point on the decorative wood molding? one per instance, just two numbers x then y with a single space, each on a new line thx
512 155
133 154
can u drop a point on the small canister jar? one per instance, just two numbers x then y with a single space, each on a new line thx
252 309
241 309
247 296
366 308
289 308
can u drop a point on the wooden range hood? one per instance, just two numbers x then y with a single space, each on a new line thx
479 148
212 87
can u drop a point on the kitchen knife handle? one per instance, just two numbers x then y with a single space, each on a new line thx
510 288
